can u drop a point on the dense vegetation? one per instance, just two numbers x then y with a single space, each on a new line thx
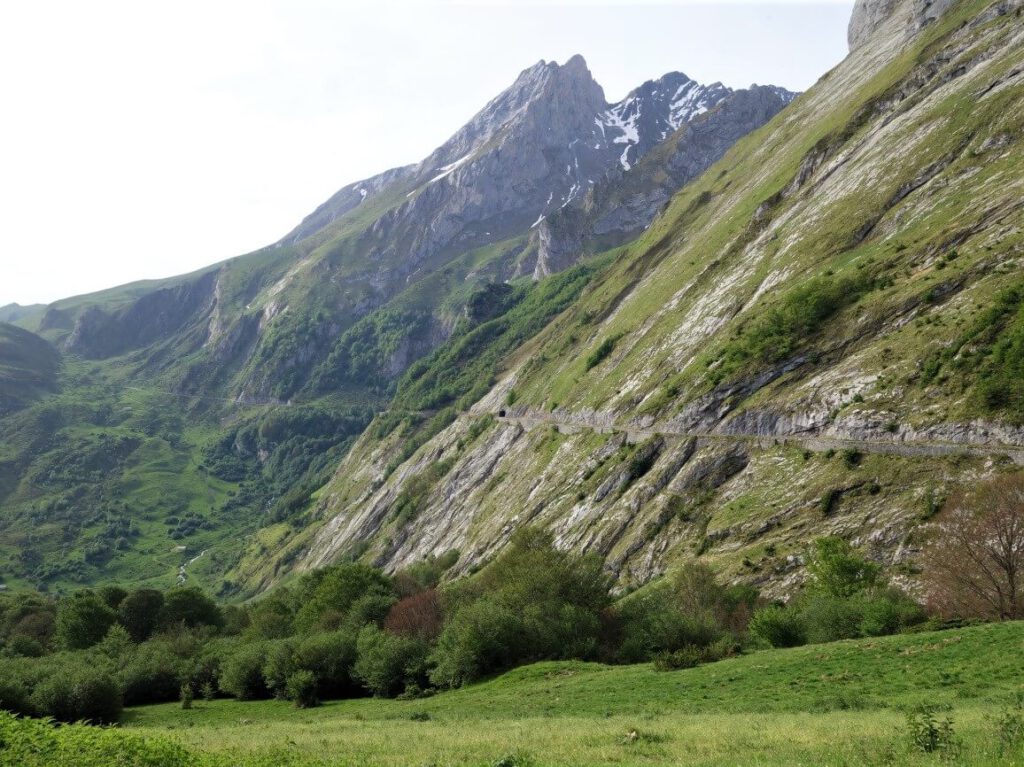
350 630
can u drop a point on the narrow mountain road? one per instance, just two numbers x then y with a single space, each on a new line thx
814 442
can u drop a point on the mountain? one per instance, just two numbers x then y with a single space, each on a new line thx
28 367
191 411
821 334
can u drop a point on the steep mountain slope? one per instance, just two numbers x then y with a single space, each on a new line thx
28 367
191 409
821 334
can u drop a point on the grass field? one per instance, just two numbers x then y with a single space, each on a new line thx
838 704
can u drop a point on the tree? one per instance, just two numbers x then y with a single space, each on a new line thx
139 613
83 619
388 663
533 602
326 596
836 570
189 607
974 562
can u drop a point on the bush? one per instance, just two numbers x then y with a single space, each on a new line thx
532 603
330 657
85 695
301 688
778 626
387 663
153 675
14 697
690 609
242 673
929 734
419 615
827 619
482 637
836 570
189 608
686 657
139 613
889 614
278 668
328 595
83 619
604 349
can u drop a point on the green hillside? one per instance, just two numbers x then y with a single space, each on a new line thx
28 367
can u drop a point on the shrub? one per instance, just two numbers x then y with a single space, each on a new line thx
139 613
271 618
32 743
604 349
83 619
190 608
14 697
653 625
242 673
419 615
25 646
482 637
85 695
187 696
929 734
778 626
328 595
889 614
153 675
837 571
301 688
685 657
828 619
330 657
278 668
387 663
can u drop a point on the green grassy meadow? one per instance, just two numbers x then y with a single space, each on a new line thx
844 703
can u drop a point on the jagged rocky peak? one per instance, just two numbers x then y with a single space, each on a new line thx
656 109
557 94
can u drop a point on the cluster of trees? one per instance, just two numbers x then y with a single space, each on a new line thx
843 599
352 630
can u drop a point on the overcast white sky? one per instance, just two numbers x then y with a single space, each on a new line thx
146 139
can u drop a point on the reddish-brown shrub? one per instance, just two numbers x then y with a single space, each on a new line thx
973 565
419 615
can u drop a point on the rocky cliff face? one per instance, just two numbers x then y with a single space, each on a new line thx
774 358
870 15
623 204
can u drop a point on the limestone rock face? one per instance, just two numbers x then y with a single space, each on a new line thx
869 15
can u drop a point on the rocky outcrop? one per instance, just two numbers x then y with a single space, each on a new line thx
869 15
624 203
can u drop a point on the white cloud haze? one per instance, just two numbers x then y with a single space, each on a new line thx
147 139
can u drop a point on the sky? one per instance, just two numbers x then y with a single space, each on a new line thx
147 139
